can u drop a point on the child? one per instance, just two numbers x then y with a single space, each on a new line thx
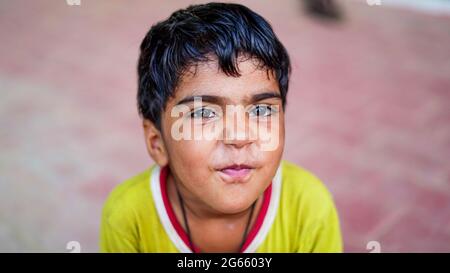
213 80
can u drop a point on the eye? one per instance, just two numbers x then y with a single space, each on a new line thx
261 111
203 113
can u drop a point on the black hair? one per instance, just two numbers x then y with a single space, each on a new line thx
201 33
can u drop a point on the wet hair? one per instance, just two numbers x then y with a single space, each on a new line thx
220 32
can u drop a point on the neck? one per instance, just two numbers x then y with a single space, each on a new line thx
198 209
199 219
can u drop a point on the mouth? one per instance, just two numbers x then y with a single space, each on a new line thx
236 173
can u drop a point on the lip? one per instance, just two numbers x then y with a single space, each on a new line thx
236 173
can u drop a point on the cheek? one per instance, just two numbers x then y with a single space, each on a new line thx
189 155
271 139
272 157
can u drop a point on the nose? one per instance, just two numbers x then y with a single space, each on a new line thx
236 129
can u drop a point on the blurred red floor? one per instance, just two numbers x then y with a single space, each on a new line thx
368 112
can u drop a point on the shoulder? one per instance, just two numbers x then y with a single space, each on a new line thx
127 197
308 210
304 191
299 180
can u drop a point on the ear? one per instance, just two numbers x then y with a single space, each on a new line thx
155 143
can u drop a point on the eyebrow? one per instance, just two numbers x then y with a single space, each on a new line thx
219 99
207 98
264 96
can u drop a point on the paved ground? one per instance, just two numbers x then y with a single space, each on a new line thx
368 112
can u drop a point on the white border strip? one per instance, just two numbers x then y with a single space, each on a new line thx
178 241
434 7
270 215
431 6
165 220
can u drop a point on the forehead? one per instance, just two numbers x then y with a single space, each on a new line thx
207 79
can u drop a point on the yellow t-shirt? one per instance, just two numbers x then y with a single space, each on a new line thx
297 215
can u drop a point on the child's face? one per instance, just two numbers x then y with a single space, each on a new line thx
229 165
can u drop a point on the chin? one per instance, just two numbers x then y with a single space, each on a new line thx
233 206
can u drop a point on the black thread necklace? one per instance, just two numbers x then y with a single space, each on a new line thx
183 211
